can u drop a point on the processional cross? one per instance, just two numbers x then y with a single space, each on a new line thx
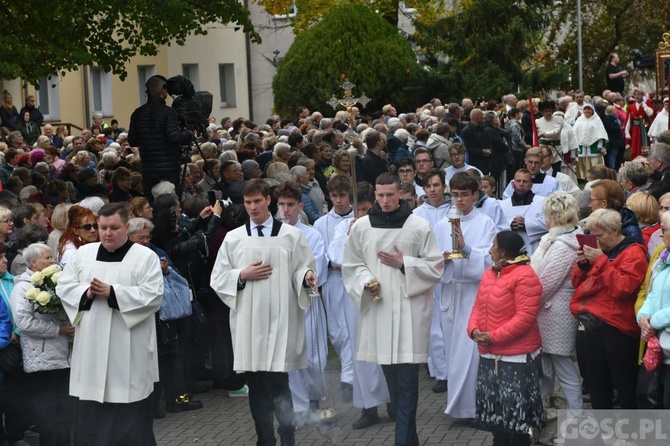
348 102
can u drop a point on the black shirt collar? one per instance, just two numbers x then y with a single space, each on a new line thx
522 200
113 256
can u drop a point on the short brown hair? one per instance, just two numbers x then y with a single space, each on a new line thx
255 186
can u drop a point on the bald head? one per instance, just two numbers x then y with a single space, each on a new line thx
477 116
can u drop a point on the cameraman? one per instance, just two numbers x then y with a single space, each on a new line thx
154 128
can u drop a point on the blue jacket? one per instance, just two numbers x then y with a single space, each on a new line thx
5 329
6 287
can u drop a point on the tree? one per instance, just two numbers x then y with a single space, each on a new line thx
42 40
607 26
487 48
353 42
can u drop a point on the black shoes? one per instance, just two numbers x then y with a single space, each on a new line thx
440 386
367 419
183 403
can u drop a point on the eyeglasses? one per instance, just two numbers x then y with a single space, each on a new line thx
143 238
405 171
88 226
456 196
7 222
591 200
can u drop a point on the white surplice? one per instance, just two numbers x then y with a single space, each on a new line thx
395 330
536 225
267 317
457 291
114 358
369 382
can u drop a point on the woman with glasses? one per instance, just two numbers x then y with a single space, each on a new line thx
82 228
606 279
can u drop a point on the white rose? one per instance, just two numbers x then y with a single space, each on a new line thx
37 279
43 298
32 293
47 272
56 276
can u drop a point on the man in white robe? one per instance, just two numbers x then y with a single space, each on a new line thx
369 384
660 123
567 184
436 204
523 211
458 289
543 184
393 255
111 291
263 271
332 289
307 385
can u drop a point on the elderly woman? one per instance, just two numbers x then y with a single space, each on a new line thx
654 314
301 176
250 169
504 325
142 208
645 207
82 228
592 139
45 342
553 261
341 165
607 194
606 280
633 177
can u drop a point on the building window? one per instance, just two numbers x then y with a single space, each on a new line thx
227 84
292 11
48 98
144 72
101 89
190 71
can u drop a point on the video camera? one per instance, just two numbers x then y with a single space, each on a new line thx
643 62
193 108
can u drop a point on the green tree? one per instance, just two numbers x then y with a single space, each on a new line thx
607 26
41 39
488 48
353 42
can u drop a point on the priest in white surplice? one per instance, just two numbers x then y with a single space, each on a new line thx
457 291
262 273
543 184
393 254
111 291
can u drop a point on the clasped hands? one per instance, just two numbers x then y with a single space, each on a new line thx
98 288
481 337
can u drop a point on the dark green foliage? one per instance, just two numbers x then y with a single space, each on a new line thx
41 38
351 42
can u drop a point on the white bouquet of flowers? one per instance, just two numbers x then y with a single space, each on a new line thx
42 295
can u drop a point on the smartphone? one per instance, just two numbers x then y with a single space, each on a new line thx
587 240
211 197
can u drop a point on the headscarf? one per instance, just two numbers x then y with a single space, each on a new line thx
660 123
589 130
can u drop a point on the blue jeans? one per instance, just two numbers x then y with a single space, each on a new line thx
403 383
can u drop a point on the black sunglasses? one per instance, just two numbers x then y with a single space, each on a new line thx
88 226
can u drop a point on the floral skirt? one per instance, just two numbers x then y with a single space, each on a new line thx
508 397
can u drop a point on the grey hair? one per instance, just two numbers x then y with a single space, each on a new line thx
93 204
561 209
298 171
97 115
163 187
34 251
109 158
661 152
138 223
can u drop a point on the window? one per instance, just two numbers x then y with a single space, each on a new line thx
101 89
227 84
292 11
48 98
190 71
144 72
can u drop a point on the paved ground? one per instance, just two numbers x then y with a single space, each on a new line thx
227 421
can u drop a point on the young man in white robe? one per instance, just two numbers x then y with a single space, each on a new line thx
111 291
307 385
567 184
457 154
543 184
332 289
436 204
457 291
523 211
263 272
369 384
393 255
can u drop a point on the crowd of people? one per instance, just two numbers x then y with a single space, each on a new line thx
507 244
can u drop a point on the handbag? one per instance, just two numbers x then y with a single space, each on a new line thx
176 302
653 356
11 359
649 390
